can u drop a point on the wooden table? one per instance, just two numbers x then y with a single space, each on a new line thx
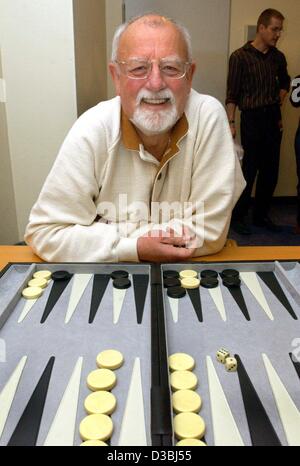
231 252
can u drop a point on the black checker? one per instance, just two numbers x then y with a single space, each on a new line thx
169 282
231 282
61 275
119 274
230 273
176 292
209 274
121 283
171 274
209 282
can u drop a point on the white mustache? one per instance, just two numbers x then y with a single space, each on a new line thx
161 95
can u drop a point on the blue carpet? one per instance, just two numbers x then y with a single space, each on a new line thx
283 213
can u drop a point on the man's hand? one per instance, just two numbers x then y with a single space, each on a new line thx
231 108
165 246
233 130
282 95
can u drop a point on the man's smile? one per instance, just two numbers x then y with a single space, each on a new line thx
155 101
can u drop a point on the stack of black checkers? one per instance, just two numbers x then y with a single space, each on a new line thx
120 279
173 284
231 278
209 279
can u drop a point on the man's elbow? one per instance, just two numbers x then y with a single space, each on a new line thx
210 247
40 240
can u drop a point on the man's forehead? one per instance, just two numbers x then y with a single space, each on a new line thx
275 21
152 21
145 30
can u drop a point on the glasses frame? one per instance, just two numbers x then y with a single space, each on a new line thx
276 30
187 64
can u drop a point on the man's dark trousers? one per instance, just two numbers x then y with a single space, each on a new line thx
261 135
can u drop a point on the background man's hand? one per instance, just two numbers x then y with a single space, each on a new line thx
165 246
233 130
282 95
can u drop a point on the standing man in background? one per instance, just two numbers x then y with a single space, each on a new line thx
258 82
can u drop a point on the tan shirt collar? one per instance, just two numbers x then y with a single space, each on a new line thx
132 141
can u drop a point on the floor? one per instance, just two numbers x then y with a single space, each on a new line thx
283 213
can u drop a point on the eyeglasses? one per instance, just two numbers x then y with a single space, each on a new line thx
141 69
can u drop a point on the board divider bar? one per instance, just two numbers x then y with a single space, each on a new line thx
161 418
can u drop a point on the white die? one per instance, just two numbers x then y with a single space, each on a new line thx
231 364
222 354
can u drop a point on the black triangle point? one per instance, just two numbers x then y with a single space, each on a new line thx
27 430
261 430
237 295
99 286
57 289
273 284
140 286
195 298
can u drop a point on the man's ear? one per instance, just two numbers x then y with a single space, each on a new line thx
191 72
192 69
115 76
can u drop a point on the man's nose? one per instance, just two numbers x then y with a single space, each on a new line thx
155 80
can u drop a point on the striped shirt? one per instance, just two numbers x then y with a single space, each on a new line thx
255 78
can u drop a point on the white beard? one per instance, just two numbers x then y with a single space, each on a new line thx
152 122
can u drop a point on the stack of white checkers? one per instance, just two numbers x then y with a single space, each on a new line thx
37 284
97 427
189 279
189 427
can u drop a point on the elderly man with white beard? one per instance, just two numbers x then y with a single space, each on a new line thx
150 175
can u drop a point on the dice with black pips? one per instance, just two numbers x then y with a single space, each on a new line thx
231 364
222 354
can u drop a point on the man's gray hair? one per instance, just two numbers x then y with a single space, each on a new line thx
122 28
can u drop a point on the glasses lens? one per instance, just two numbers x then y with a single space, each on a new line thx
173 69
137 69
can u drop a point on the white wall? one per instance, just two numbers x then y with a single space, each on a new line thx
37 43
113 12
8 218
90 53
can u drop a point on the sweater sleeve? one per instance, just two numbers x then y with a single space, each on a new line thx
62 224
217 181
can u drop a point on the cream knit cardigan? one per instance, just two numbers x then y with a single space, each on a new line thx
95 175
